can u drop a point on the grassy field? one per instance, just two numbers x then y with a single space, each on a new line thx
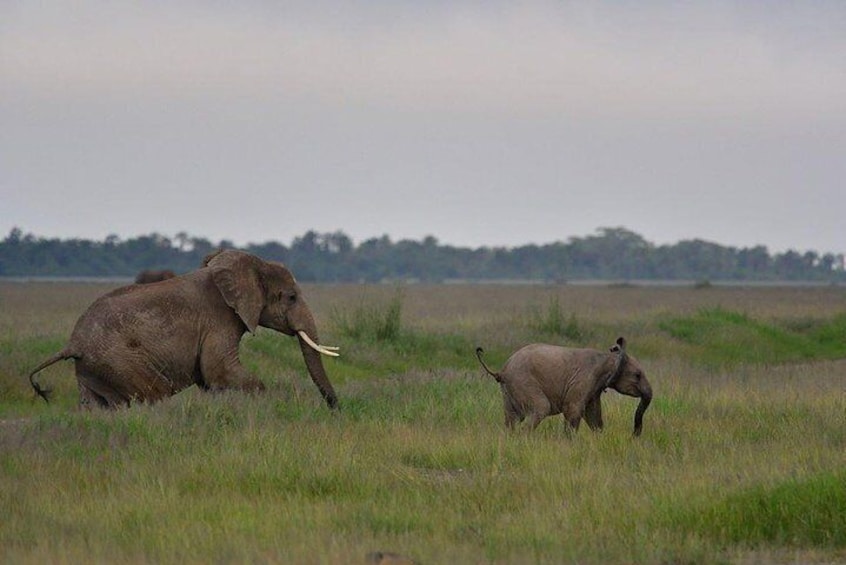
742 457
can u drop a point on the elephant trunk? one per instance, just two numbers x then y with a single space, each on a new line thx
314 365
645 399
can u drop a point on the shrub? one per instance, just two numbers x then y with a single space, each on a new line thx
372 322
555 322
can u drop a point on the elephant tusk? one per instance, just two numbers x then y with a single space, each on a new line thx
325 350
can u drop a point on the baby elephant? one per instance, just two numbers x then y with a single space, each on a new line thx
541 380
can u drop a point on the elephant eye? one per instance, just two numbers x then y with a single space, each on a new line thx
282 296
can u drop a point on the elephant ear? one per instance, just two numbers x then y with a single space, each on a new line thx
236 276
619 348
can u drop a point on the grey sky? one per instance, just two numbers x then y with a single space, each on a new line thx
484 123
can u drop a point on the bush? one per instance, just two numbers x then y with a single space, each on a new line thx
372 322
554 321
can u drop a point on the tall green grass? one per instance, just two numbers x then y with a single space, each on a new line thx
722 336
371 322
555 322
806 512
377 342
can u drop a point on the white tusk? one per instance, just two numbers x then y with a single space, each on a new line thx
330 351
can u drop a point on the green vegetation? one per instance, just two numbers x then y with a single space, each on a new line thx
808 512
370 322
726 337
740 460
555 322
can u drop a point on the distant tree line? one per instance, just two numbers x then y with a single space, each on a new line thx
609 254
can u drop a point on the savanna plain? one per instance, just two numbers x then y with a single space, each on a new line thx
741 459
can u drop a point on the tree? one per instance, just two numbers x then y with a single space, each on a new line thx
14 237
610 253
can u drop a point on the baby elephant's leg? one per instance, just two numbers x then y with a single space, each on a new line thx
573 413
525 399
539 409
593 414
513 415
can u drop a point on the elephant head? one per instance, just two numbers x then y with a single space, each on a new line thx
540 380
266 294
628 378
147 342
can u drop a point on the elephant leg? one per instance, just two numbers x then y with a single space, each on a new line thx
526 400
593 414
573 413
235 377
96 395
533 404
540 409
119 376
95 391
535 419
88 399
222 372
511 419
512 413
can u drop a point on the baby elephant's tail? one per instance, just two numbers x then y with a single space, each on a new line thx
479 352
45 392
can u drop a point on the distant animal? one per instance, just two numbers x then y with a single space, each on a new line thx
148 342
151 276
541 380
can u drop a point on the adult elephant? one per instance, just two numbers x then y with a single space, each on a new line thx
152 275
148 342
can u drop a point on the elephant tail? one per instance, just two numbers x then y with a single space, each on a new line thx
45 392
479 352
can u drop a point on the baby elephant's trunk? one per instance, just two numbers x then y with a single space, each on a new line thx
645 399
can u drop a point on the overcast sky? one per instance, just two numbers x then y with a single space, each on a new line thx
480 123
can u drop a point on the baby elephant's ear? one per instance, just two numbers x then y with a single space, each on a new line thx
620 346
235 276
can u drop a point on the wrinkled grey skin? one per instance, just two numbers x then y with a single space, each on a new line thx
145 342
151 275
542 380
